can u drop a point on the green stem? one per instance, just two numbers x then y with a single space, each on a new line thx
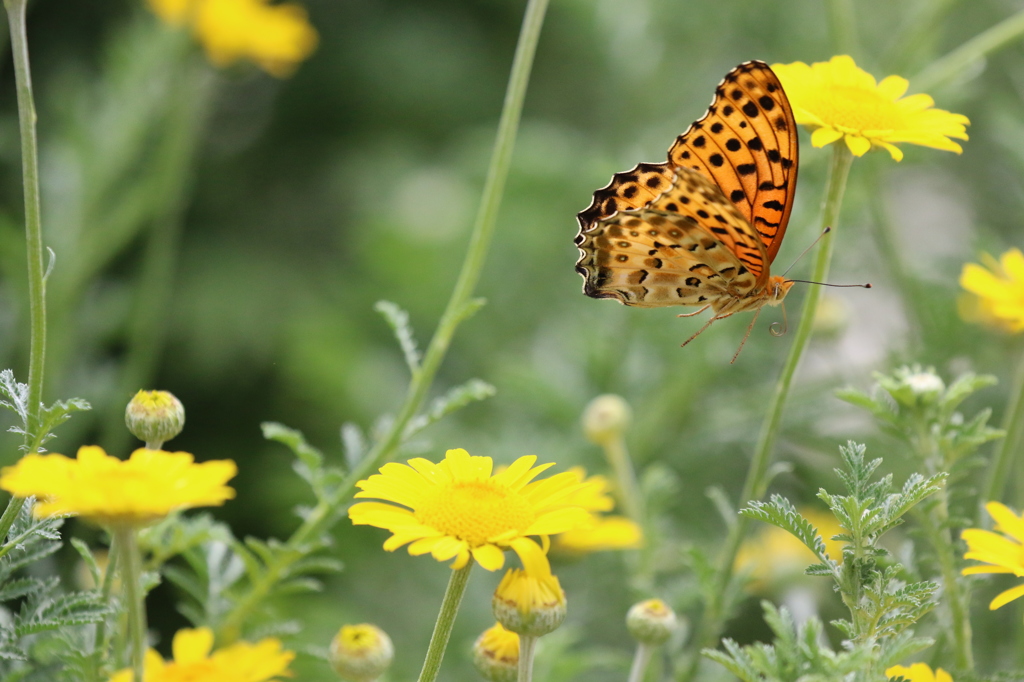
641 659
625 477
126 539
33 237
947 68
757 480
936 529
445 621
1002 464
527 650
33 219
100 640
460 305
842 25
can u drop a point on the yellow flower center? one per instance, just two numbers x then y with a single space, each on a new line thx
475 511
359 638
853 110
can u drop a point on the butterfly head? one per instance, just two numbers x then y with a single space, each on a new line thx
778 287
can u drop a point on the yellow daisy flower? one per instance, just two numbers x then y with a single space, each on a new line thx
264 661
457 510
277 37
113 492
839 100
775 555
1000 553
919 672
361 652
998 291
600 533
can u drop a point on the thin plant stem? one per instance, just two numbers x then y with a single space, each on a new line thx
33 217
33 238
1002 464
641 659
101 640
935 523
527 651
756 482
842 25
947 68
445 620
459 307
131 579
617 454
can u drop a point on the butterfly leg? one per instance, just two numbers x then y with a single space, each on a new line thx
745 336
695 312
717 316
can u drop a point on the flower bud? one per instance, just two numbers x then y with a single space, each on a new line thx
496 654
154 417
529 605
361 653
913 386
606 418
651 622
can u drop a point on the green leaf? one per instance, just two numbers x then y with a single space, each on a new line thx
398 320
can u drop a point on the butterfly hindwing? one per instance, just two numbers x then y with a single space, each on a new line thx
650 257
747 144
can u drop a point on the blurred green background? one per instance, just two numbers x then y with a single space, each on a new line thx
224 235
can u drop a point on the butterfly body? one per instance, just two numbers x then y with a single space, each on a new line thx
702 228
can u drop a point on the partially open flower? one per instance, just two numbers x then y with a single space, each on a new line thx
529 605
496 654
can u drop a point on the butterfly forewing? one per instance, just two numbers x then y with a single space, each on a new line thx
747 144
659 256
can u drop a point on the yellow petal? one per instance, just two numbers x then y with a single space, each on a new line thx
1006 597
858 145
824 136
190 646
489 557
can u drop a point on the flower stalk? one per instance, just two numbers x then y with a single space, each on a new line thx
757 481
33 237
945 69
1002 463
527 651
126 539
460 306
445 622
641 659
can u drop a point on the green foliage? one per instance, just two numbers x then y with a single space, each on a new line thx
42 622
915 405
51 417
883 608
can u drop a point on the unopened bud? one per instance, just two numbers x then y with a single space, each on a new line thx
651 622
154 417
496 654
529 605
361 653
606 418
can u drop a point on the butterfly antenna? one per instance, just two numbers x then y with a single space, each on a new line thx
866 285
780 329
804 252
745 337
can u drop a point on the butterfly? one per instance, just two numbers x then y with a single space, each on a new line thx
703 228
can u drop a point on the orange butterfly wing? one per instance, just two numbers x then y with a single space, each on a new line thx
747 144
